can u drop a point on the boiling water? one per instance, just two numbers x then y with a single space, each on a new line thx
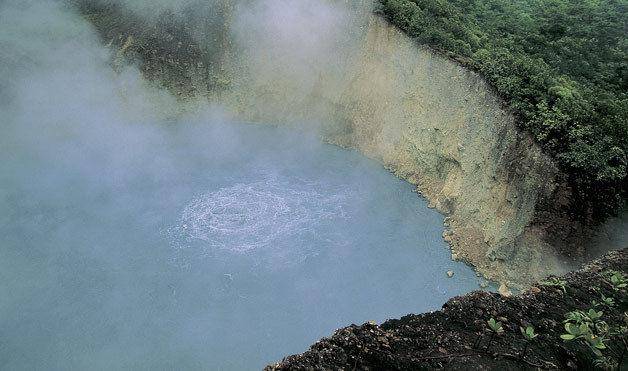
203 246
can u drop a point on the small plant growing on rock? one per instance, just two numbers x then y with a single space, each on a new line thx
555 282
584 333
605 363
495 326
605 302
592 330
579 316
617 279
529 335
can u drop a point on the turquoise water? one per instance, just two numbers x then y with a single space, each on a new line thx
202 246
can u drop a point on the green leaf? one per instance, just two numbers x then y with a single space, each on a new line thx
567 337
496 326
571 328
528 332
594 315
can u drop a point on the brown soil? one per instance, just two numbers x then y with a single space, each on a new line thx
457 337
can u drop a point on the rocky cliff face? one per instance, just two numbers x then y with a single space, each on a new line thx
365 85
440 126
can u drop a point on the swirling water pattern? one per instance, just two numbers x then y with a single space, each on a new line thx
249 216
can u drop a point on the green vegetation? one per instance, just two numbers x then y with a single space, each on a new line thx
555 282
599 338
607 341
617 279
528 334
562 65
605 302
495 326
587 326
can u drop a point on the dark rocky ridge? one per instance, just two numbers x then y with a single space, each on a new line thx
457 336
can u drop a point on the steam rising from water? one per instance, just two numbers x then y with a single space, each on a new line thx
97 164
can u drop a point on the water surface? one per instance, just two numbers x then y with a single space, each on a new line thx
202 246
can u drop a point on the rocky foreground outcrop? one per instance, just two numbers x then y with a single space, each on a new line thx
459 337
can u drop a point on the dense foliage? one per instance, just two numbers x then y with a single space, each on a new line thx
562 65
